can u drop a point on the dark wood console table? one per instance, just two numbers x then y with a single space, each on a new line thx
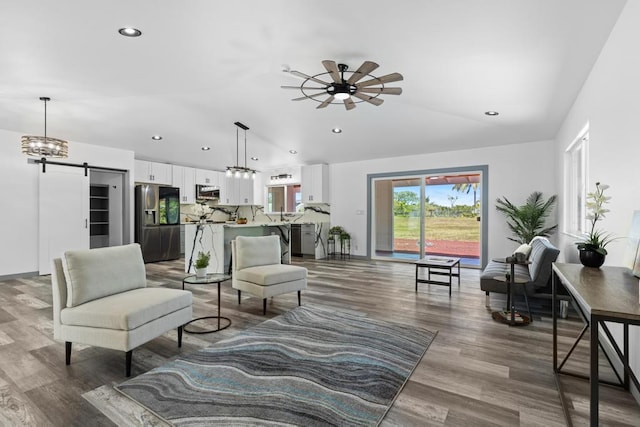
606 294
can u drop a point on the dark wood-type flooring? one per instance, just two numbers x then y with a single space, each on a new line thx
476 372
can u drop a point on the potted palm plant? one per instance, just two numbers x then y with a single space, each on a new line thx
201 264
529 220
592 247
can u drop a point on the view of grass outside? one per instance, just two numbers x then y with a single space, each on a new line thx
438 228
451 220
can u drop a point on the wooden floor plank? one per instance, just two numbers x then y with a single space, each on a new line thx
477 371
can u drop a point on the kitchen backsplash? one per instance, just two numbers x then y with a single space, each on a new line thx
312 213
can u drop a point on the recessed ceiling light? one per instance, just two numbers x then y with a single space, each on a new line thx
205 148
254 158
293 151
156 137
336 130
491 113
130 32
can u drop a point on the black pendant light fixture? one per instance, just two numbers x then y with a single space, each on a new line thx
241 171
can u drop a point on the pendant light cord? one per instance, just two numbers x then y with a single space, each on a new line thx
45 120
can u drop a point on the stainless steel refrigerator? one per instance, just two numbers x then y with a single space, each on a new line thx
157 218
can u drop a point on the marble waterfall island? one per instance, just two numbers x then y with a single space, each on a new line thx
216 239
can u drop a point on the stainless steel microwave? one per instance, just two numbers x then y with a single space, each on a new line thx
207 192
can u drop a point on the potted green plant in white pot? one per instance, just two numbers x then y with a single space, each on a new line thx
592 247
201 264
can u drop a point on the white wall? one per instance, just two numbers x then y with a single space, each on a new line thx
515 171
19 210
610 102
19 190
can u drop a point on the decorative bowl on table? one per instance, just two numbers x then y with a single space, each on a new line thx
241 221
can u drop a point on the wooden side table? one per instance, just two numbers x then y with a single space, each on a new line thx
511 316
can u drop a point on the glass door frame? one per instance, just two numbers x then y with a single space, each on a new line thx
482 169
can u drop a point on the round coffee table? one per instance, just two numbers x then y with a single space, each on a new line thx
207 280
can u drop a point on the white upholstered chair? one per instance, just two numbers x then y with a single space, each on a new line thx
257 268
101 298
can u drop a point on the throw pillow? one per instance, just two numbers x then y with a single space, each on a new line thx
524 249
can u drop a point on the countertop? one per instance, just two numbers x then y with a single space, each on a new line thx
254 224
250 224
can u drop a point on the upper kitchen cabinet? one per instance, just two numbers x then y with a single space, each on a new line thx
207 177
152 172
184 178
315 184
236 192
245 192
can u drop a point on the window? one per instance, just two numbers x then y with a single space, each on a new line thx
576 184
283 198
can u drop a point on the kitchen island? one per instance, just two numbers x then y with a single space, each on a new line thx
216 239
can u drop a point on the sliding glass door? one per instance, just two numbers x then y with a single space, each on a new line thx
435 213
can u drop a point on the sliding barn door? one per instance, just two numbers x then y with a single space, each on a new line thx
63 213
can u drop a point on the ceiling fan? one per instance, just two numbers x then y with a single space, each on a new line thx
343 88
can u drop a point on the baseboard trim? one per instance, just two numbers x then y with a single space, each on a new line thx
19 275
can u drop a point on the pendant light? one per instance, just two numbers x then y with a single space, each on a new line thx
241 171
44 146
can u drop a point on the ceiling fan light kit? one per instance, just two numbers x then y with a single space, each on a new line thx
345 88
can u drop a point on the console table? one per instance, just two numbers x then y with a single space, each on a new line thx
606 294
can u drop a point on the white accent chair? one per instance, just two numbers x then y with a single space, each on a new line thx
101 298
257 268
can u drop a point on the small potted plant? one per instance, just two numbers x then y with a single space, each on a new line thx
201 264
345 243
592 247
335 232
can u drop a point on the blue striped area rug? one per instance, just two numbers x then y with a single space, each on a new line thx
310 366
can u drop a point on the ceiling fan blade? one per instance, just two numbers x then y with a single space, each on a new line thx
305 88
349 104
365 68
385 90
315 95
370 99
332 68
305 76
393 77
326 102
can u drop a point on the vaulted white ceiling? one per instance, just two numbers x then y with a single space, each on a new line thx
202 65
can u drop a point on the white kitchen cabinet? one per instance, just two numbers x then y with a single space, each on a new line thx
152 172
315 184
208 177
229 191
236 192
245 192
259 189
184 178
